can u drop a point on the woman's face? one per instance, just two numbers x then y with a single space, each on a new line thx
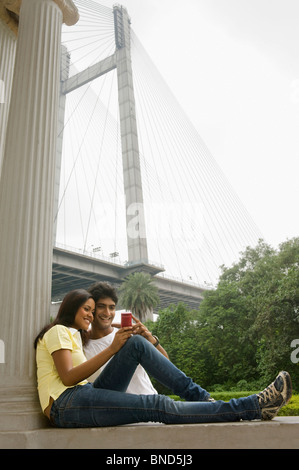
84 315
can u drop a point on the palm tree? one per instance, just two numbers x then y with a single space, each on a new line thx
139 294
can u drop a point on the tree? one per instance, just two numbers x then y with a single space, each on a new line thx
253 315
139 294
178 329
245 330
278 311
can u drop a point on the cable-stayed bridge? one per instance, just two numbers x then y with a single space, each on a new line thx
135 182
73 270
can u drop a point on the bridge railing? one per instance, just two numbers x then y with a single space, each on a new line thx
114 258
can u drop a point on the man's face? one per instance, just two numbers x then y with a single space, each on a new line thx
104 313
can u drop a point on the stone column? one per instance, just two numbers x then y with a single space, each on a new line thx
26 203
8 41
64 73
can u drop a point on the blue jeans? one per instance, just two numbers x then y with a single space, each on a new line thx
105 403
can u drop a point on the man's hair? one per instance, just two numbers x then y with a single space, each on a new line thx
100 290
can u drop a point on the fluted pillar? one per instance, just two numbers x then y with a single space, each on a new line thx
27 193
8 41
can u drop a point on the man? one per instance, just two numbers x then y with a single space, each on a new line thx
102 334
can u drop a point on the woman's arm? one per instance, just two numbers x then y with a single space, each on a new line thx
71 376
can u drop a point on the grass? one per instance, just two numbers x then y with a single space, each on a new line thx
291 409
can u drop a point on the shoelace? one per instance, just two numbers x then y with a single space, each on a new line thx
269 393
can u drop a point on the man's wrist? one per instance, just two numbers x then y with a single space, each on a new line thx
157 342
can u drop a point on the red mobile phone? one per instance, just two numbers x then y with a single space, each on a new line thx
126 319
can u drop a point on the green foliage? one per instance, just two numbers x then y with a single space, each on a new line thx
243 331
253 315
292 408
179 332
139 294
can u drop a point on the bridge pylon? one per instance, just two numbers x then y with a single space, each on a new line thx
135 220
121 61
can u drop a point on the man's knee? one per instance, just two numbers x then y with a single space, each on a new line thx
138 342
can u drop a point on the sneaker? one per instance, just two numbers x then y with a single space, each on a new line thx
275 396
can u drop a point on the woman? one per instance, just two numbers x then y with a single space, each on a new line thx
68 400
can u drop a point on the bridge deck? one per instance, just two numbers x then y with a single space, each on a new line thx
71 270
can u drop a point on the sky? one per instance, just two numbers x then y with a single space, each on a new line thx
233 66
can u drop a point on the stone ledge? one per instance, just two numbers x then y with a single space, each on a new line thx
280 433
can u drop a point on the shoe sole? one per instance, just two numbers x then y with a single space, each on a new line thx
287 387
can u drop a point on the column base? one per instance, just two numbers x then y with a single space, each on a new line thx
20 410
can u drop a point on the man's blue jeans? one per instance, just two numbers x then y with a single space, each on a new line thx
105 403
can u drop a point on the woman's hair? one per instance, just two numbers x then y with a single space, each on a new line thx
67 311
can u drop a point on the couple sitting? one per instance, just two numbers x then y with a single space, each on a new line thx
104 385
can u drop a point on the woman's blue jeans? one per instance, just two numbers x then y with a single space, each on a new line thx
105 403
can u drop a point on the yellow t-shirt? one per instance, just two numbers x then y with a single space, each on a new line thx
49 384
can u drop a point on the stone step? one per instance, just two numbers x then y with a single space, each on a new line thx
20 409
280 433
22 416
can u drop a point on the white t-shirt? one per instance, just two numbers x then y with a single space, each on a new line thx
140 382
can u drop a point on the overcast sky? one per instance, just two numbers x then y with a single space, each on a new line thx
233 65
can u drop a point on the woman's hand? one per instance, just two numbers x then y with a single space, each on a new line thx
120 338
73 375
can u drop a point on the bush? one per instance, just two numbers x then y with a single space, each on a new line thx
292 408
228 386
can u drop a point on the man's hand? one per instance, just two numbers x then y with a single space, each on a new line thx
140 329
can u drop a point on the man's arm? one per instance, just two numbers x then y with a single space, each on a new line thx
140 329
